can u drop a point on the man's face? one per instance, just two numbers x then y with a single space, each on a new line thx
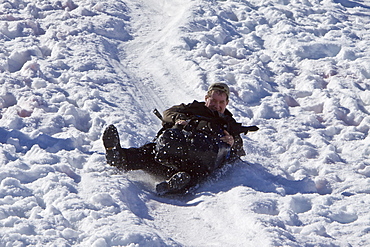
217 101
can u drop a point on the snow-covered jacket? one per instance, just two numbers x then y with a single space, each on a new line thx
194 109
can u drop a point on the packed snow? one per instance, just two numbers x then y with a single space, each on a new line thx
298 69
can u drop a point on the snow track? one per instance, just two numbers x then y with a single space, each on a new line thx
156 26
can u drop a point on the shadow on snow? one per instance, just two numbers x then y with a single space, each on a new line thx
23 142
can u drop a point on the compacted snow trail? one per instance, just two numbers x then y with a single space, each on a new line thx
154 66
152 58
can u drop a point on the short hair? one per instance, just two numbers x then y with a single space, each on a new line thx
218 92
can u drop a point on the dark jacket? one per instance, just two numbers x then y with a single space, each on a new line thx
226 120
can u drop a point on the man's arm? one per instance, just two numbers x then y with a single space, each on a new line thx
173 114
227 138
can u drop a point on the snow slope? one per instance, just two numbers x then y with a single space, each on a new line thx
299 69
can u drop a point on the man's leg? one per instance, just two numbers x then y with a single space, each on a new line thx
141 158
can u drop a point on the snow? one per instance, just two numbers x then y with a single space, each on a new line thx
298 69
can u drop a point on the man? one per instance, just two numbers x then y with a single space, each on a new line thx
195 140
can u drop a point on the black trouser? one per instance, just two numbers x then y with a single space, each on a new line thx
142 158
194 152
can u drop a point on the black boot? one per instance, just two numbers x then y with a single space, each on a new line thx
112 147
175 184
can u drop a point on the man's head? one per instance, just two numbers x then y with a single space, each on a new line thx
217 97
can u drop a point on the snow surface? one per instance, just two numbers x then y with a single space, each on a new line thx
299 69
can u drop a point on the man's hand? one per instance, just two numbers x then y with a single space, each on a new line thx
181 122
229 139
